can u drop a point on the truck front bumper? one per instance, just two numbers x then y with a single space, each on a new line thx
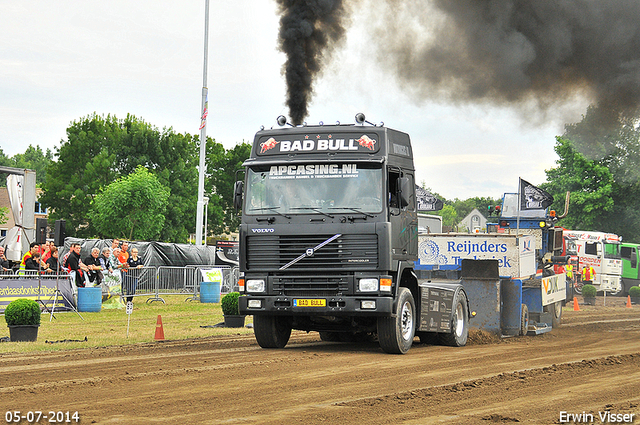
316 306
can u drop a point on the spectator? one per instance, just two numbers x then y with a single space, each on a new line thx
95 268
105 261
46 250
77 269
114 260
33 262
52 261
124 254
131 277
115 243
34 247
4 263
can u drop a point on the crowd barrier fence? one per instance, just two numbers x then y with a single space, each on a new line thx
155 282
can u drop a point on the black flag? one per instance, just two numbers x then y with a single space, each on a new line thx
426 201
533 198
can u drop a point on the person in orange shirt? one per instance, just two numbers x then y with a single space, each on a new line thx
124 253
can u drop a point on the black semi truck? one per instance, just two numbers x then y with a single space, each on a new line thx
329 236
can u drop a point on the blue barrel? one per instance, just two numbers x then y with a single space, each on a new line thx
90 299
210 292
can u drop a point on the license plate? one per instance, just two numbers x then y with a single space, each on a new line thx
309 303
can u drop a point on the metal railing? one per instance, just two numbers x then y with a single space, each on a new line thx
155 282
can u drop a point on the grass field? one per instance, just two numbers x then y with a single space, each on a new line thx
180 319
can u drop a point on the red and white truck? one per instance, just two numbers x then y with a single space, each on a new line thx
602 252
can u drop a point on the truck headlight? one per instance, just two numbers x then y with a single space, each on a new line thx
255 285
368 285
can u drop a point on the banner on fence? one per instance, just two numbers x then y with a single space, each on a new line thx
112 290
42 290
212 275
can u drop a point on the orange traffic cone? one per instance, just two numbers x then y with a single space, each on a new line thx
159 330
628 301
576 307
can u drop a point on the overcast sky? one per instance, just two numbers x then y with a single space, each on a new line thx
63 60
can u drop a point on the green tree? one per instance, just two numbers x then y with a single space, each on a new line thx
590 183
132 207
100 149
4 215
33 159
4 159
449 216
607 137
222 166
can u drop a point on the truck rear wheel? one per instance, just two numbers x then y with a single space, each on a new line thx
459 323
395 334
271 331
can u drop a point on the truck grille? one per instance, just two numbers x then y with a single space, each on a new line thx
348 252
305 286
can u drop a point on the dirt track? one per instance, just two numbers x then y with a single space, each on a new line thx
591 364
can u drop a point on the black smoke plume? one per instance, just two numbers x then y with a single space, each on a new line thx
309 30
510 52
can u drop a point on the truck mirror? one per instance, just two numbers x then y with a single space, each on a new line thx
238 188
406 191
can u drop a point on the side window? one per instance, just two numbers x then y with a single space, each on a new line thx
394 176
412 198
590 248
625 252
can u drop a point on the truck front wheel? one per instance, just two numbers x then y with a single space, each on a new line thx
271 331
395 334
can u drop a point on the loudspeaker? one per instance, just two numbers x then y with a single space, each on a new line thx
59 233
41 230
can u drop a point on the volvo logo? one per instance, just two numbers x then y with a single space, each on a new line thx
309 252
262 230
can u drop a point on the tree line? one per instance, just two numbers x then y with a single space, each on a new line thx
126 178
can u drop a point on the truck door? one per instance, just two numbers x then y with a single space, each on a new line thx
402 215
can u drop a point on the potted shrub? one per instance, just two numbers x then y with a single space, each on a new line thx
589 294
230 310
23 318
634 294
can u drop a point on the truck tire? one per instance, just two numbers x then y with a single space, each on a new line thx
459 323
395 334
271 331
556 313
524 320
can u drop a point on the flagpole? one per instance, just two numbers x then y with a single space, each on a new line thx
203 131
519 205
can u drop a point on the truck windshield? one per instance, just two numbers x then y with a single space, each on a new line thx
314 188
612 250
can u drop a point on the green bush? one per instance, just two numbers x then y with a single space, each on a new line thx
22 312
229 304
588 290
634 291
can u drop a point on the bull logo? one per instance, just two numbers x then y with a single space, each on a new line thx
268 145
366 142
